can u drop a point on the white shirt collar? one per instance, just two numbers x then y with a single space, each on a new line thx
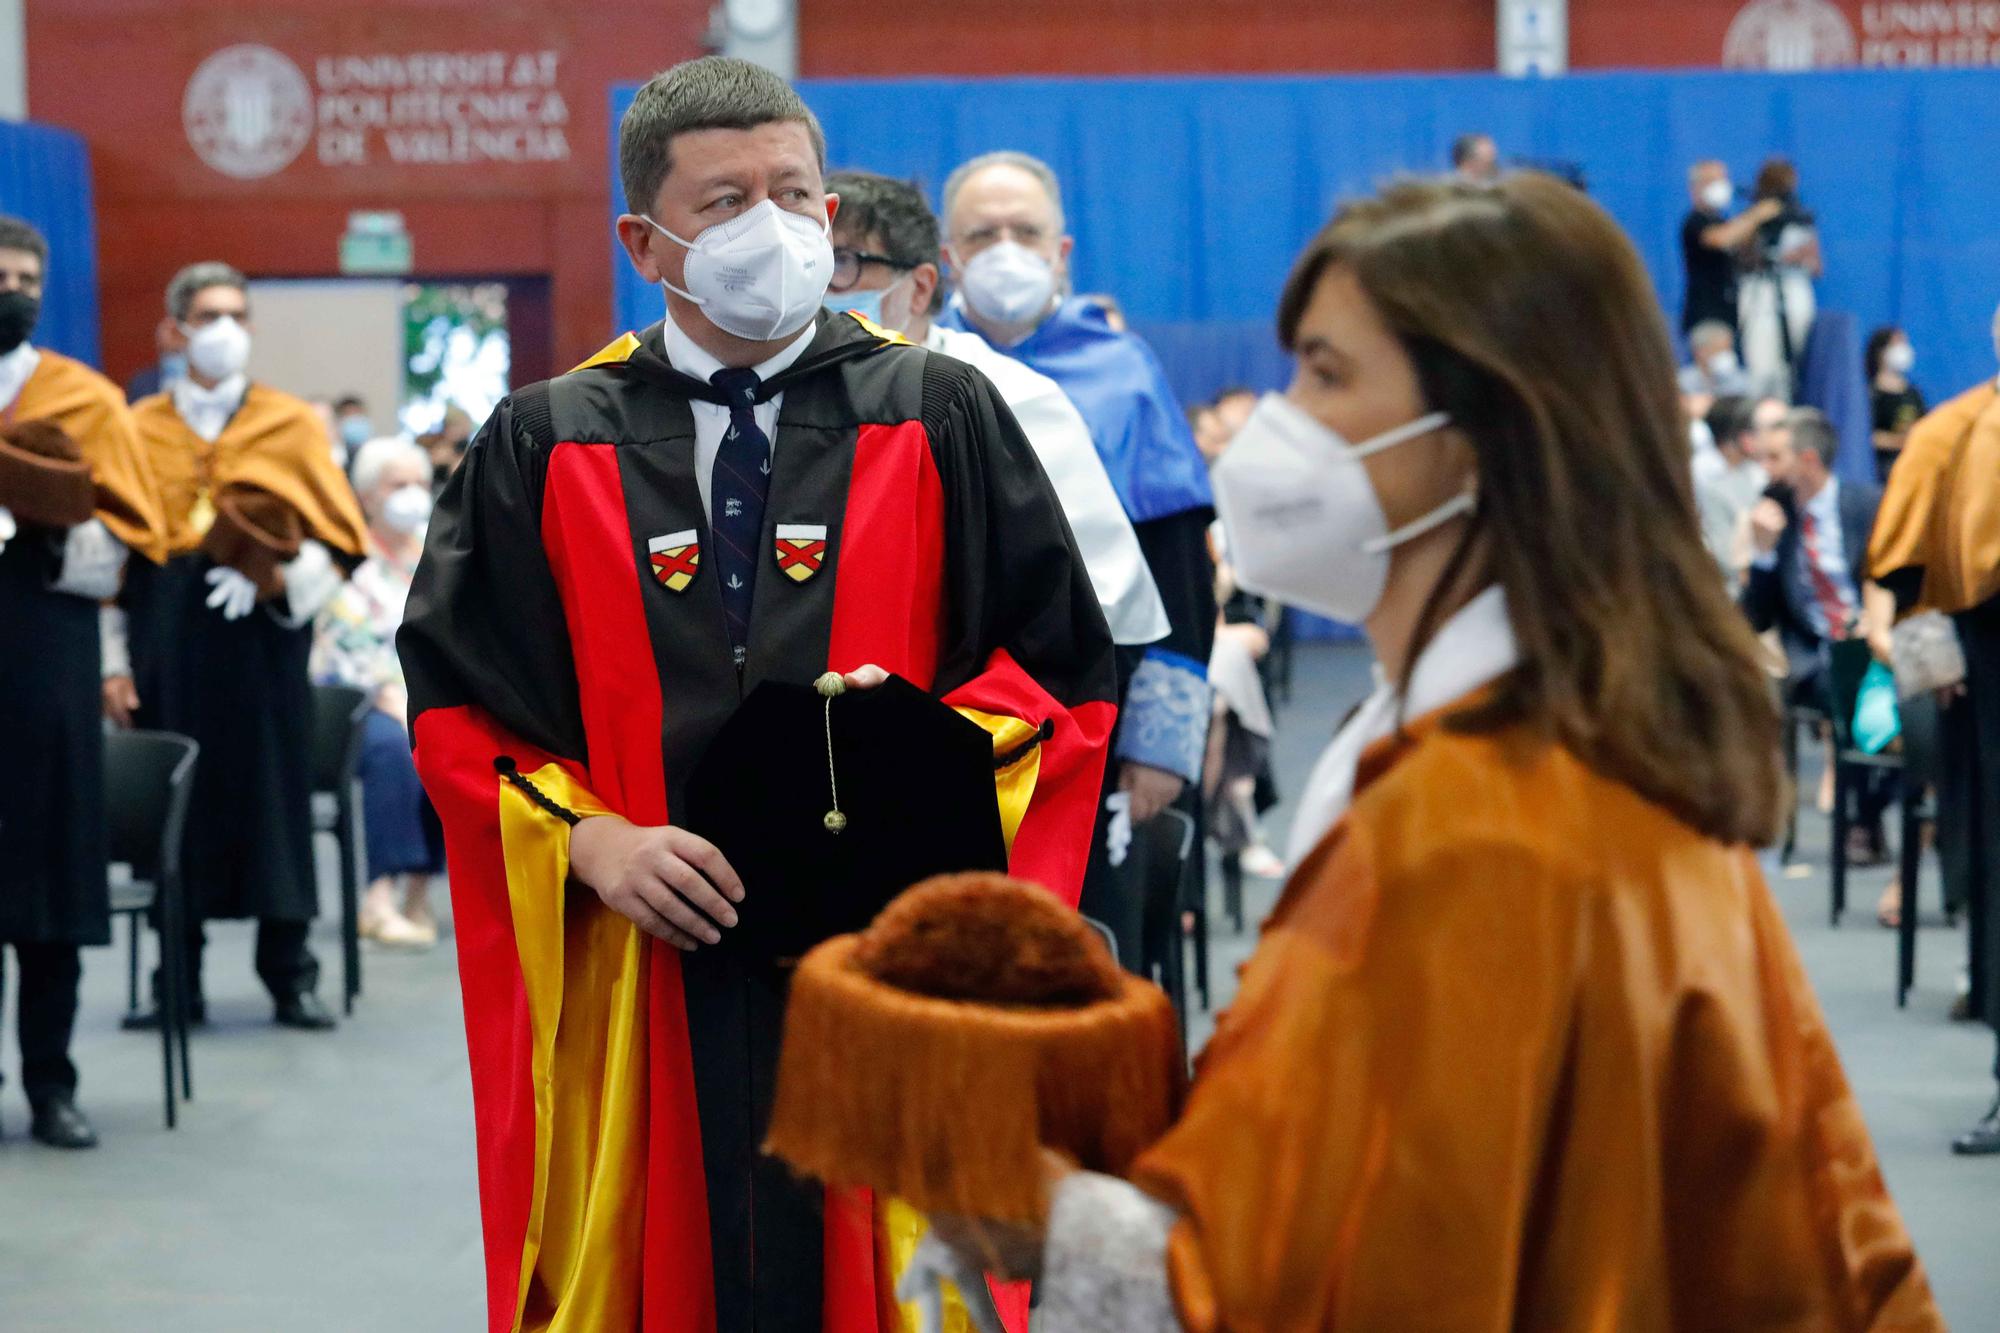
16 368
207 411
1825 507
690 358
1473 649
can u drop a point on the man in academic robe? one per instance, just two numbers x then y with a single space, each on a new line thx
753 490
1010 258
1936 547
53 578
260 524
888 268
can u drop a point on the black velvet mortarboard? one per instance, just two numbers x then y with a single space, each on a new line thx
915 784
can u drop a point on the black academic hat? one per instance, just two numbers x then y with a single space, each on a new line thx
828 807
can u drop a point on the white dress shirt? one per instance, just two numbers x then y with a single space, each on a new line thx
207 411
712 419
1117 567
15 368
1474 648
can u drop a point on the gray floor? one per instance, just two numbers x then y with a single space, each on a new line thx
326 1182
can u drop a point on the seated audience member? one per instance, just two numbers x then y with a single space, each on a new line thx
1728 482
1895 403
1713 370
446 445
1807 579
356 645
1475 159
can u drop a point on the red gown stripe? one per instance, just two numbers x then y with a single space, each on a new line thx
889 579
587 534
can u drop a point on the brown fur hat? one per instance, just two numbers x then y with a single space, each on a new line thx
932 1056
254 533
43 478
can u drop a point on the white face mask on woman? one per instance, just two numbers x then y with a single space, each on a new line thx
760 275
407 509
1900 357
1303 520
219 348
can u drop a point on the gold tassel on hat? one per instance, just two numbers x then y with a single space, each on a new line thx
978 1020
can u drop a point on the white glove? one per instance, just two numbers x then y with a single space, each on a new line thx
310 580
1118 833
93 559
7 526
235 595
933 1262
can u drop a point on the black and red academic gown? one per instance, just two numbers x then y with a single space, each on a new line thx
564 617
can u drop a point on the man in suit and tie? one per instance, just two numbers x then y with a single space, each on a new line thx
1809 535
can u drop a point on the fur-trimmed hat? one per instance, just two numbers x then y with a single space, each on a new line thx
932 1056
43 478
254 533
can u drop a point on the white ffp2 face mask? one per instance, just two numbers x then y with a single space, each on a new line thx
1900 357
407 509
1718 195
1007 283
1304 524
219 348
760 275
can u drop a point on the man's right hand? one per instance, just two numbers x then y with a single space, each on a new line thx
656 878
121 699
1767 524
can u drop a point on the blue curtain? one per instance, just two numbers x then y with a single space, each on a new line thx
1189 197
45 179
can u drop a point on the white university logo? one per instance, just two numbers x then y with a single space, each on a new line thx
1789 34
248 111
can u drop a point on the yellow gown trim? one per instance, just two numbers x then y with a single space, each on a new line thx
1014 784
583 970
614 353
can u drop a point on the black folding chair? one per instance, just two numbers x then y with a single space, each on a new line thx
1847 667
339 713
148 785
1812 719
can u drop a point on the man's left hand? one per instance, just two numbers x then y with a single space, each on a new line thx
1151 789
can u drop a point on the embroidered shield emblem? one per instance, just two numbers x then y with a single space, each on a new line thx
801 549
676 558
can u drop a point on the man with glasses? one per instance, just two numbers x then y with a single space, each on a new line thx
887 269
1010 256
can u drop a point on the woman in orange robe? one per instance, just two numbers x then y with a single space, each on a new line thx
1526 1043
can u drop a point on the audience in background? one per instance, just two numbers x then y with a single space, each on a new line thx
446 445
355 645
1895 402
168 370
1713 370
351 426
1778 302
1476 158
1710 240
1808 581
1728 480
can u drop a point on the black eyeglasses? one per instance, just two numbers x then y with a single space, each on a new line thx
847 265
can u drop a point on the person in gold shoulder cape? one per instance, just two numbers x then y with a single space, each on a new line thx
1526 1043
1937 548
53 578
261 526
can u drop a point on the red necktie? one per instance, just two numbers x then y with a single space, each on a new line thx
1830 601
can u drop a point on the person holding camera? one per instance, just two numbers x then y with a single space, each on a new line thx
1777 302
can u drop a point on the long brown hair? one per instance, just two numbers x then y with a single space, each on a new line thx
1531 321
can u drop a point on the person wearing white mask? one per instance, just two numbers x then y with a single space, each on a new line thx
1710 240
1713 370
1526 1014
753 492
1894 400
261 526
1010 256
354 644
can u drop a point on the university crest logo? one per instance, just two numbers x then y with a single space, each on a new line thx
676 558
801 548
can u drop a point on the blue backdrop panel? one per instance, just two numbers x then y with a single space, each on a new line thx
1189 197
45 179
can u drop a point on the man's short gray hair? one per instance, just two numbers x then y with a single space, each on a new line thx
1812 433
711 93
1694 172
1708 331
199 277
377 456
1006 157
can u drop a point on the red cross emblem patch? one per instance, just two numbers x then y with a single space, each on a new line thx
801 548
676 558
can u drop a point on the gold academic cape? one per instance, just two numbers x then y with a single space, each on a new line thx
274 442
1519 1050
92 411
1940 515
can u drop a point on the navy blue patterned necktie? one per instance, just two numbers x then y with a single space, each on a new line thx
737 490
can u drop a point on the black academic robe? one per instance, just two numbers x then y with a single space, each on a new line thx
239 687
566 618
